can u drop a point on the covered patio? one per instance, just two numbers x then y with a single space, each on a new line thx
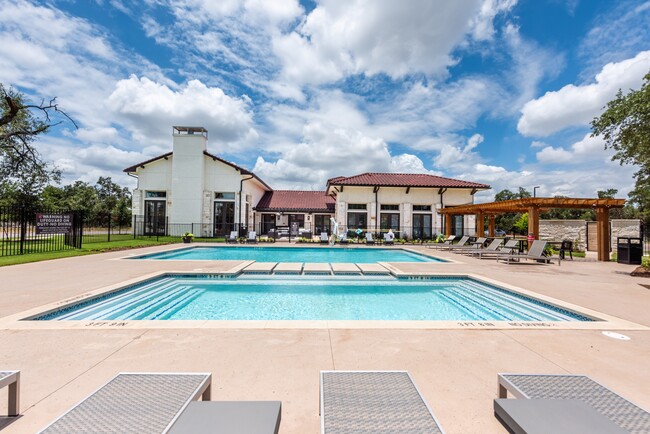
533 206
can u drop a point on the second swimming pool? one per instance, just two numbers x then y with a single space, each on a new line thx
359 255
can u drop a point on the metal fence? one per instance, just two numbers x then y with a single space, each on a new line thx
25 231
645 237
105 228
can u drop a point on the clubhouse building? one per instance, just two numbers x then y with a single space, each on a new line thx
192 190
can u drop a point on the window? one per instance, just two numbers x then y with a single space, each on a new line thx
226 196
389 221
356 206
357 220
422 226
389 207
156 194
322 223
421 207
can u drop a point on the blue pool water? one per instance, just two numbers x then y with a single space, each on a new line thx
207 297
294 254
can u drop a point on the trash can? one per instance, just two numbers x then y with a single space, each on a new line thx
629 250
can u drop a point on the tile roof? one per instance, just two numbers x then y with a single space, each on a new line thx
292 200
403 180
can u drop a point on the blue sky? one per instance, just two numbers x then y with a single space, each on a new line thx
493 91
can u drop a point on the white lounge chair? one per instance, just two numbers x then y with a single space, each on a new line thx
389 238
369 239
252 237
232 238
373 401
323 238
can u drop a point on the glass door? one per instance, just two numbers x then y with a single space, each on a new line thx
422 226
322 223
268 223
457 225
154 217
224 218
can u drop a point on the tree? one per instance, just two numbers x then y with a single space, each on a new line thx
507 221
23 173
625 127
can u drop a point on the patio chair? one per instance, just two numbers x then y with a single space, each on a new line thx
252 238
323 238
493 247
566 247
373 401
12 379
232 238
565 404
134 402
389 239
476 245
344 239
461 243
508 248
369 240
535 253
445 243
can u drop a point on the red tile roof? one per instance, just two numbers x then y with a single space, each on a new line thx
403 180
290 200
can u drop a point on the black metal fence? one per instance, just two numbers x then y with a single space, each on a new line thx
25 231
105 228
645 237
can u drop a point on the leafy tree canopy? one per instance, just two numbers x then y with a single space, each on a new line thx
625 127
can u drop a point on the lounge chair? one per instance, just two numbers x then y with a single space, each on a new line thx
493 247
373 401
565 403
323 238
12 379
135 403
535 253
369 240
389 238
475 245
445 243
232 238
252 238
344 239
461 243
508 248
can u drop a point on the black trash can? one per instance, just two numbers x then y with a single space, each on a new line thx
629 250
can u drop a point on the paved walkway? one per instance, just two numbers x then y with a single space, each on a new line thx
455 369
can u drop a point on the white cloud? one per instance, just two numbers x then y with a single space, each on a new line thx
482 24
151 108
551 155
538 144
577 105
588 148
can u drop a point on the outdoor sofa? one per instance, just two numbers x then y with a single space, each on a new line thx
373 401
562 404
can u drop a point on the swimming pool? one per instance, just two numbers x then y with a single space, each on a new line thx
211 297
359 255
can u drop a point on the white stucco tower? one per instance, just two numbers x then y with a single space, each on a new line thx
188 170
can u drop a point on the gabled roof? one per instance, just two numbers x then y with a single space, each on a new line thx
134 168
291 200
403 180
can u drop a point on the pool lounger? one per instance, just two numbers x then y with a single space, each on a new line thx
372 401
134 402
12 379
559 403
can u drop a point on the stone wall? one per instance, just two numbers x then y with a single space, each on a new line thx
624 228
558 230
576 230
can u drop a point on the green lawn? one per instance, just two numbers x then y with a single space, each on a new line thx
87 249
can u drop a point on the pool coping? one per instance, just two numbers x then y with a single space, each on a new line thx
22 320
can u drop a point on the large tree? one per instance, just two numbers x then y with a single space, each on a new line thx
507 222
625 127
23 172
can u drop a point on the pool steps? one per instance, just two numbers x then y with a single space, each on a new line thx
316 269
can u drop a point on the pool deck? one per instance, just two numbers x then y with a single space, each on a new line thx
455 367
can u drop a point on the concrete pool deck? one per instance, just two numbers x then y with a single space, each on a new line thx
455 369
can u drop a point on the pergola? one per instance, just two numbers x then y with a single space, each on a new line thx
533 206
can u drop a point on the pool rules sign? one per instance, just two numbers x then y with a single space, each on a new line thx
53 223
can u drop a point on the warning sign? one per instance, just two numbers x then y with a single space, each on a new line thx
53 223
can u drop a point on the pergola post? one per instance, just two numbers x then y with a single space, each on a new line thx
602 226
490 225
448 219
480 224
533 222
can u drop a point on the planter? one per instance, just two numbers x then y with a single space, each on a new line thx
187 240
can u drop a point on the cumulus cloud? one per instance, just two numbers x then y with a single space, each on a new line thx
588 148
482 24
151 108
577 105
